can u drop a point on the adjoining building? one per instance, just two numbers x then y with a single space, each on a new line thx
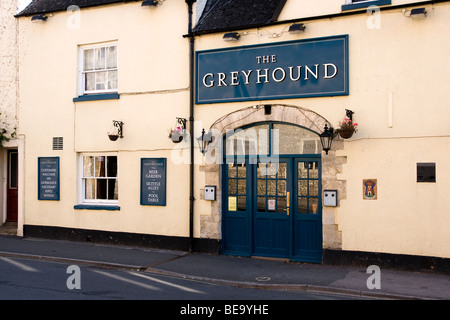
11 145
264 87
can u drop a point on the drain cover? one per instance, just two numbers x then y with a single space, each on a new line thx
262 279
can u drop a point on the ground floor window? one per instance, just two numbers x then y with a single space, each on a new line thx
99 181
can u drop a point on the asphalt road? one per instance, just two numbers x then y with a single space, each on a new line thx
22 279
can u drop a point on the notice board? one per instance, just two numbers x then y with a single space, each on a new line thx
48 178
153 181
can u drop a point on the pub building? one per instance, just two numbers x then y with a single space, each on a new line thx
312 132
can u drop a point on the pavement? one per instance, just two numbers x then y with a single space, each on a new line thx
235 271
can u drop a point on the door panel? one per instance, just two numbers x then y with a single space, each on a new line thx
12 187
271 235
236 217
307 213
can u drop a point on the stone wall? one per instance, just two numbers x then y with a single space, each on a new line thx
8 65
210 225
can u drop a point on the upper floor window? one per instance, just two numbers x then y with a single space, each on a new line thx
98 68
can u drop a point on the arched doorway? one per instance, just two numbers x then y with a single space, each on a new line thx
271 192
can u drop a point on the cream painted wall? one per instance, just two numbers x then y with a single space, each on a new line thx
397 71
153 88
295 9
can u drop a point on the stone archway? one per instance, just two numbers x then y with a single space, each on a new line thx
210 225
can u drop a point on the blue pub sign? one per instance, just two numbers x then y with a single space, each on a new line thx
294 69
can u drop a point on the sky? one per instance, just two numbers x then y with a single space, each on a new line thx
23 4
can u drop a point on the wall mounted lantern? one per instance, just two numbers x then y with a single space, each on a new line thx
39 18
231 36
116 131
418 13
297 28
326 137
151 3
204 140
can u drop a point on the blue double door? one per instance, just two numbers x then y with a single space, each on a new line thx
273 208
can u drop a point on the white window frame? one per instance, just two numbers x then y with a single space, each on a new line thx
82 72
81 180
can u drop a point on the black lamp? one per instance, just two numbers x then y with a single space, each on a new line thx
297 28
231 36
204 140
39 18
148 3
326 137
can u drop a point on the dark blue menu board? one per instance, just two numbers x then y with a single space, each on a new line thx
48 178
153 181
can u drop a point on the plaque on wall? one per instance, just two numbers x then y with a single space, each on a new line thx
153 181
48 178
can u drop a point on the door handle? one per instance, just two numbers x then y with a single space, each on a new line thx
287 202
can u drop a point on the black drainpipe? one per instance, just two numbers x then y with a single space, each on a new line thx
191 126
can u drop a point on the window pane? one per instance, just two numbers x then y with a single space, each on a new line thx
261 187
100 58
282 167
281 205
296 140
302 187
314 170
313 187
250 141
89 188
100 80
112 166
313 202
302 205
261 204
88 166
101 189
112 79
271 187
241 186
100 166
231 170
242 171
241 204
111 57
113 189
231 186
281 187
89 81
88 59
302 170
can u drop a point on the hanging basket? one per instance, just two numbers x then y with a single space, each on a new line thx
346 133
177 136
113 137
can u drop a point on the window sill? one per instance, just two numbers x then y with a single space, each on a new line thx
96 207
360 5
94 97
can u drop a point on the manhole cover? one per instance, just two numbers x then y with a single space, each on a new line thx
262 279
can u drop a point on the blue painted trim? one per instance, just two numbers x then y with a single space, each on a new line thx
94 97
365 4
95 207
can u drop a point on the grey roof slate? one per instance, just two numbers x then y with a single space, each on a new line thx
47 6
235 14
